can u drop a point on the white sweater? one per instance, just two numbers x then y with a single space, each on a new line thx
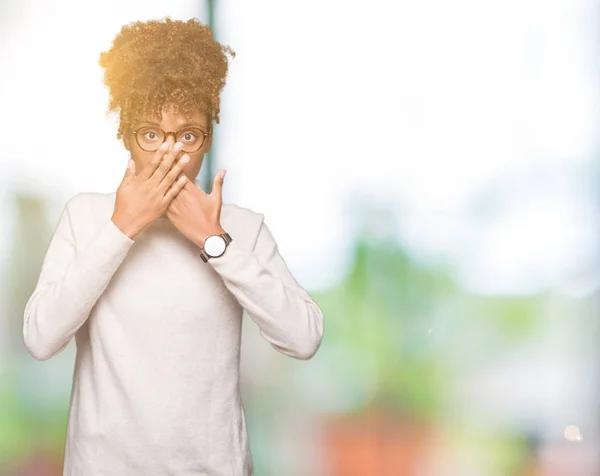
157 331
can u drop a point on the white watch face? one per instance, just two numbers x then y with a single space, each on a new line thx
214 245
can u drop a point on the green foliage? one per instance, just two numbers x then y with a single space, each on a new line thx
512 316
15 434
20 426
391 323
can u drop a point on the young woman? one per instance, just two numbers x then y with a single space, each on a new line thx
152 279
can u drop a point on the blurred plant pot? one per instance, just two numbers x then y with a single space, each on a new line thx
43 463
375 443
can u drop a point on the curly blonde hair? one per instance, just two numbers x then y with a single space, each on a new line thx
159 62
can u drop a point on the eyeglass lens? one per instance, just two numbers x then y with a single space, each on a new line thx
150 138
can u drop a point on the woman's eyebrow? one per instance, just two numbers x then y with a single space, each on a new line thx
191 124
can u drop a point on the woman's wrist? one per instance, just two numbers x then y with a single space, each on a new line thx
125 226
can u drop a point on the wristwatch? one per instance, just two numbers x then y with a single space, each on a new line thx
215 246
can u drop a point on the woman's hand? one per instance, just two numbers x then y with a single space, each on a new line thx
142 198
197 214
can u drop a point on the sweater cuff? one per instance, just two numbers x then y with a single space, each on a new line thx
112 243
233 259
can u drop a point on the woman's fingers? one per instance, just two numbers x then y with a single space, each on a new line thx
174 189
165 164
151 166
217 189
175 172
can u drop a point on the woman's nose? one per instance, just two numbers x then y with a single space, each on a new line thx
170 139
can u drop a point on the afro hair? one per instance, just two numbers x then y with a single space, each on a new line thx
159 62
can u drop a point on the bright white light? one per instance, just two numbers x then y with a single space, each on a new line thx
572 433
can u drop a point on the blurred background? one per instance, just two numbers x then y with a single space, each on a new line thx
436 172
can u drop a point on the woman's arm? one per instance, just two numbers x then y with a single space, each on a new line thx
286 314
70 283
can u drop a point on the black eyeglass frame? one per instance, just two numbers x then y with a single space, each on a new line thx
166 134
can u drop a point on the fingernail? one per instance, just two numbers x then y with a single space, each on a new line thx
164 146
185 159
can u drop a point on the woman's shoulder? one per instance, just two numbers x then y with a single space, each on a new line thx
239 212
241 221
95 203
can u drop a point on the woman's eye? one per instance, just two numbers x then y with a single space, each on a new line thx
189 136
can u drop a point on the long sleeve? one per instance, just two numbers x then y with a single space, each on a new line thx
69 284
285 313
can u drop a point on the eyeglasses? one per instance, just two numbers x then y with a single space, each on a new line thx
150 138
